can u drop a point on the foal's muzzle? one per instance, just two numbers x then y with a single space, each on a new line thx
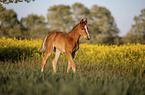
87 38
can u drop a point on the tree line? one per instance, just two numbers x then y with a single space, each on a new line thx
137 32
101 24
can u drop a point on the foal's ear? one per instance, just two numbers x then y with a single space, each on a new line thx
81 22
86 21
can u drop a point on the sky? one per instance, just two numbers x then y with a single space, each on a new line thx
123 11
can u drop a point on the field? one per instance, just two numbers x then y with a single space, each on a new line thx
101 70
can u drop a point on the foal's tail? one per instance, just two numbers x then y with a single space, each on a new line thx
43 45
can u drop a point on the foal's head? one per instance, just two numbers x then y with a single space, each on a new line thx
83 29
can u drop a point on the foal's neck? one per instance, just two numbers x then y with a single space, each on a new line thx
74 34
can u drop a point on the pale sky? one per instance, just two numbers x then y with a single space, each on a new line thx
123 11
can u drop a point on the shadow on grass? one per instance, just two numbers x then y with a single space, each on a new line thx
17 53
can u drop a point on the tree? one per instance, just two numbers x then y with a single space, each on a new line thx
59 18
137 31
9 24
102 24
35 26
14 1
79 11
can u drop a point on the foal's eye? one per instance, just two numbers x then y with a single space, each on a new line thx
82 28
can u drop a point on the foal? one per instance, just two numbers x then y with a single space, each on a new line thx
68 43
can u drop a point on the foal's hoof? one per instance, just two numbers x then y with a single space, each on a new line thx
41 70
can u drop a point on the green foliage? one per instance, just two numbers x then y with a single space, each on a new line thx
59 18
102 39
9 24
79 11
137 32
32 26
102 24
35 26
14 1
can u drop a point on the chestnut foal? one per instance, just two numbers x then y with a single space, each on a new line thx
68 43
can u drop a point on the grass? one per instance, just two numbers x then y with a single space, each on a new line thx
24 78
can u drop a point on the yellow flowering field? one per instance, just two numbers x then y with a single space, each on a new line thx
15 49
123 54
124 57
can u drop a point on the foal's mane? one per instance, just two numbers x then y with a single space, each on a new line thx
73 28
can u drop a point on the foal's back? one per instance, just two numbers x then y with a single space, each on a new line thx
59 41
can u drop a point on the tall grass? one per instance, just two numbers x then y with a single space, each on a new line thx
23 78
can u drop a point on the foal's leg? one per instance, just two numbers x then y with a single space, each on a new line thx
48 51
71 62
69 66
54 62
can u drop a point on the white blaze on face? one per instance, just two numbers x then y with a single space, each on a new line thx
87 31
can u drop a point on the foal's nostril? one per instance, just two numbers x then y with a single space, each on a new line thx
88 38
